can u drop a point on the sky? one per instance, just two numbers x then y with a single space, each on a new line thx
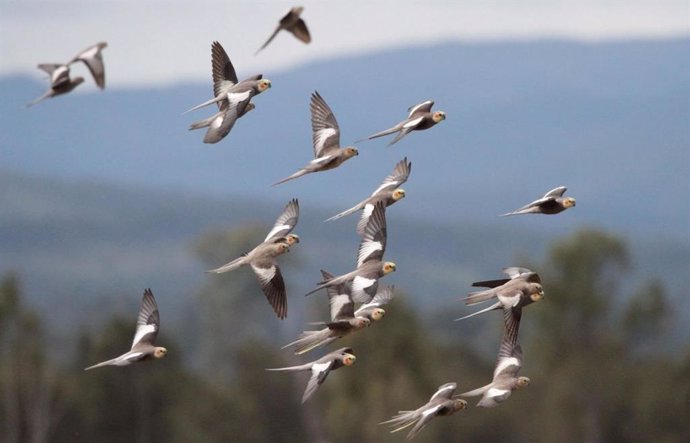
162 42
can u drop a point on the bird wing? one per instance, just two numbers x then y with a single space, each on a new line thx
286 221
341 304
272 284
325 129
148 321
300 31
555 193
445 391
223 72
93 59
373 244
510 352
319 372
396 178
382 297
421 108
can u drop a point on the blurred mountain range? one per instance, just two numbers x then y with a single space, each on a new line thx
105 193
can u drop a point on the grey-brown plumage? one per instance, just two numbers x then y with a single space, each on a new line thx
343 322
440 404
262 258
292 23
523 287
224 79
419 118
148 323
508 365
326 140
373 310
552 202
370 267
60 81
321 368
389 192
93 59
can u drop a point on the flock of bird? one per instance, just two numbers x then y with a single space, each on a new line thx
355 299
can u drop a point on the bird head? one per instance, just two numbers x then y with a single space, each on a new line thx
388 267
438 116
377 314
77 81
349 359
350 151
537 292
522 382
160 352
297 10
263 84
398 194
283 248
568 202
291 239
459 404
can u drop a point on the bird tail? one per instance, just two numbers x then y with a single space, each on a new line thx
380 134
236 263
206 103
352 210
496 305
304 367
476 392
39 99
479 296
402 420
202 123
105 363
297 174
309 340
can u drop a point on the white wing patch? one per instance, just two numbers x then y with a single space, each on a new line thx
142 331
265 274
275 230
431 411
413 123
509 301
495 392
322 136
318 368
238 97
367 249
505 363
321 160
217 122
359 284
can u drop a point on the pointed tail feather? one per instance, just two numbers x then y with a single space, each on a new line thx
496 305
39 99
479 296
476 392
236 263
202 123
206 103
105 363
380 134
304 367
297 174
352 210
310 340
402 420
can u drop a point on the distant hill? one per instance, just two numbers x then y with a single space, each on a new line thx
609 120
84 250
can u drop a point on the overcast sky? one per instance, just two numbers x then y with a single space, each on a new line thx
164 41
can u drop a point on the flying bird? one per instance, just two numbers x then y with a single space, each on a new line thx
523 287
508 365
552 202
60 81
343 322
389 191
374 309
233 98
441 403
365 278
420 117
262 258
321 368
291 22
148 323
326 139
93 59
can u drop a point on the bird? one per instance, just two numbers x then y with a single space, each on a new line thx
365 278
60 81
343 322
441 403
262 258
93 59
552 202
505 379
321 368
389 191
326 140
420 117
521 289
224 78
291 22
373 310
148 323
